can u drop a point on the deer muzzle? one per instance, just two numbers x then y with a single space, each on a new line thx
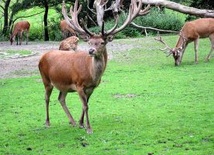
91 51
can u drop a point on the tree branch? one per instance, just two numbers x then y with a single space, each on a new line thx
27 16
151 28
181 8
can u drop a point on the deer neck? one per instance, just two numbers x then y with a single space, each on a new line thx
181 43
98 66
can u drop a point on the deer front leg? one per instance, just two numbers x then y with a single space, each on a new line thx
196 50
209 55
85 98
61 98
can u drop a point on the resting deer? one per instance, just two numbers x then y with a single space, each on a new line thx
192 31
19 28
79 71
66 30
69 44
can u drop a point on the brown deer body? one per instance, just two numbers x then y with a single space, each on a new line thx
66 30
19 29
79 71
191 32
73 71
69 44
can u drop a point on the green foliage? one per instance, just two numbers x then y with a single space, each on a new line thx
54 29
166 20
144 105
36 33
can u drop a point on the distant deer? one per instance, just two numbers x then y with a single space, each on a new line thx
69 44
20 28
66 30
192 31
79 71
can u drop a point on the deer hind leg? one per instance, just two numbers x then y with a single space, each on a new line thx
212 47
27 35
61 98
196 42
48 91
85 98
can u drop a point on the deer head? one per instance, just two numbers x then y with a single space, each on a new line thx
176 52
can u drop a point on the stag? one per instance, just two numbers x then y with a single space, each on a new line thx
19 28
191 32
79 71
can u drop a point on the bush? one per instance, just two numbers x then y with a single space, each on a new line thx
161 20
54 30
36 33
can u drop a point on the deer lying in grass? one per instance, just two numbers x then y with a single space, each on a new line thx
69 44
19 28
192 31
79 71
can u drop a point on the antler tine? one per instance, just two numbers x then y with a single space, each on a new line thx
73 21
166 46
113 28
134 9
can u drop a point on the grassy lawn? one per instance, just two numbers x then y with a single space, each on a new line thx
144 105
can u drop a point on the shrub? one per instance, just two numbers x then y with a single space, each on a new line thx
54 30
36 33
160 20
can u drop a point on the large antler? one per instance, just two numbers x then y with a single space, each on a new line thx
100 10
167 49
73 21
134 11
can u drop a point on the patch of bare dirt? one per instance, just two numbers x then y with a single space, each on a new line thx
28 65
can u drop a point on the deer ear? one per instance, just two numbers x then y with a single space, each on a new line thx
84 37
109 38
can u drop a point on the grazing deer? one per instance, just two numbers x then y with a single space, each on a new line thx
69 44
66 30
79 71
192 31
19 28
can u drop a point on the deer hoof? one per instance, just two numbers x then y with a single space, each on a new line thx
73 123
81 126
89 131
47 124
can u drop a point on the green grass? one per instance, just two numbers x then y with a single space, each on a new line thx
14 53
144 105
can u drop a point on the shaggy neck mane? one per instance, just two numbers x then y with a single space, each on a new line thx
99 65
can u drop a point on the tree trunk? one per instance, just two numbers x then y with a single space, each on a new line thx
181 8
5 27
46 21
